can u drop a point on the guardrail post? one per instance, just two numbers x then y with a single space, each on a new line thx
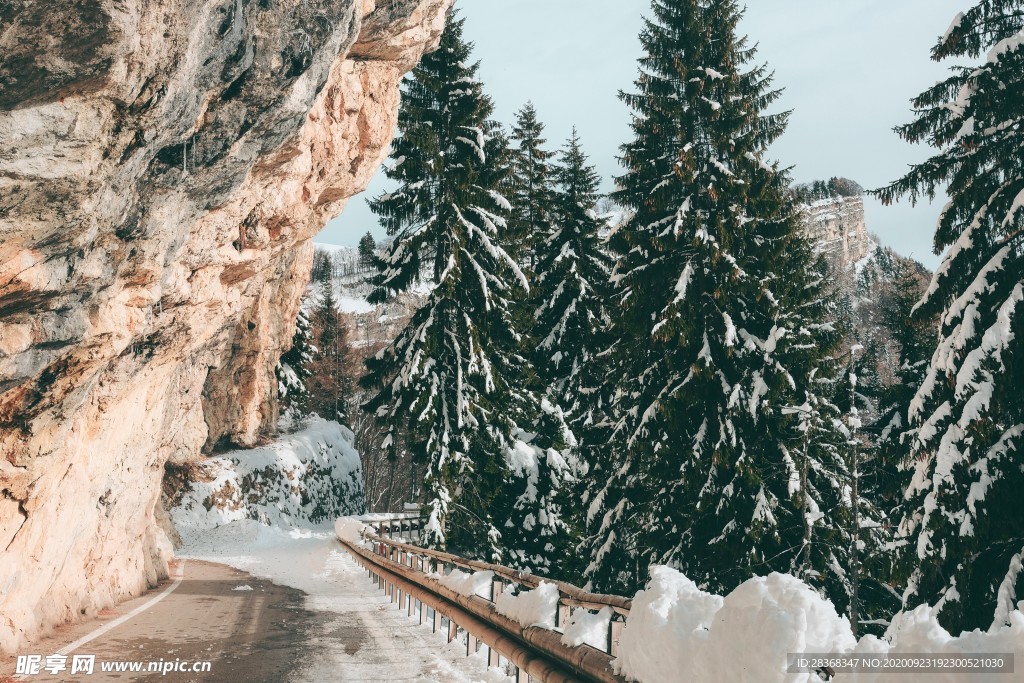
453 630
497 588
437 621
493 657
561 615
522 676
471 644
615 627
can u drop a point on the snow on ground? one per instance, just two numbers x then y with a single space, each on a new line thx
268 511
362 637
354 305
313 475
271 512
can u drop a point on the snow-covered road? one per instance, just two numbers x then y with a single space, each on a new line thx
358 635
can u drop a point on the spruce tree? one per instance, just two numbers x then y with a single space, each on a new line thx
571 281
330 385
323 266
965 522
455 376
367 251
529 187
709 294
913 336
295 366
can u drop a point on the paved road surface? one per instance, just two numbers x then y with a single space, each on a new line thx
251 636
344 631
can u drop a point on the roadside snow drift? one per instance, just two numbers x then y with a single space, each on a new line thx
676 632
312 476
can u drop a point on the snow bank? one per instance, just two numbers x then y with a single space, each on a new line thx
586 628
666 633
537 607
919 631
465 583
349 529
676 632
310 477
764 619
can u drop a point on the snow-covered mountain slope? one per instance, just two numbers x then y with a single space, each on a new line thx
308 477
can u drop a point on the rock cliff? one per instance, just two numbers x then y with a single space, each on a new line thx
164 167
838 228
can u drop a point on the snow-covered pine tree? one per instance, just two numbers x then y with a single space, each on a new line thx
455 375
912 336
708 289
821 455
571 281
965 523
530 187
295 366
330 385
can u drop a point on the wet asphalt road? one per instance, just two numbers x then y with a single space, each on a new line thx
248 636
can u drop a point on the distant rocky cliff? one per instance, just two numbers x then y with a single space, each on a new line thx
164 166
837 227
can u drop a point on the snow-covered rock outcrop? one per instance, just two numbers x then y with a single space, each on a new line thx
163 170
310 477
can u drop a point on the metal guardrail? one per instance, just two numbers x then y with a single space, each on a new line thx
403 571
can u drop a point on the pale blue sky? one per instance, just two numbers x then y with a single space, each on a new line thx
848 70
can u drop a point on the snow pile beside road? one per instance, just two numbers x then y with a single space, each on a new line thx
537 607
310 477
350 529
919 632
676 632
666 635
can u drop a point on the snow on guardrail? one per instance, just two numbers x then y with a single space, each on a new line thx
677 632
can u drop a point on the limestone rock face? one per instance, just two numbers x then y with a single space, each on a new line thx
838 228
164 166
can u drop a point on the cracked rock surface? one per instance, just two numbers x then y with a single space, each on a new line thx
164 166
